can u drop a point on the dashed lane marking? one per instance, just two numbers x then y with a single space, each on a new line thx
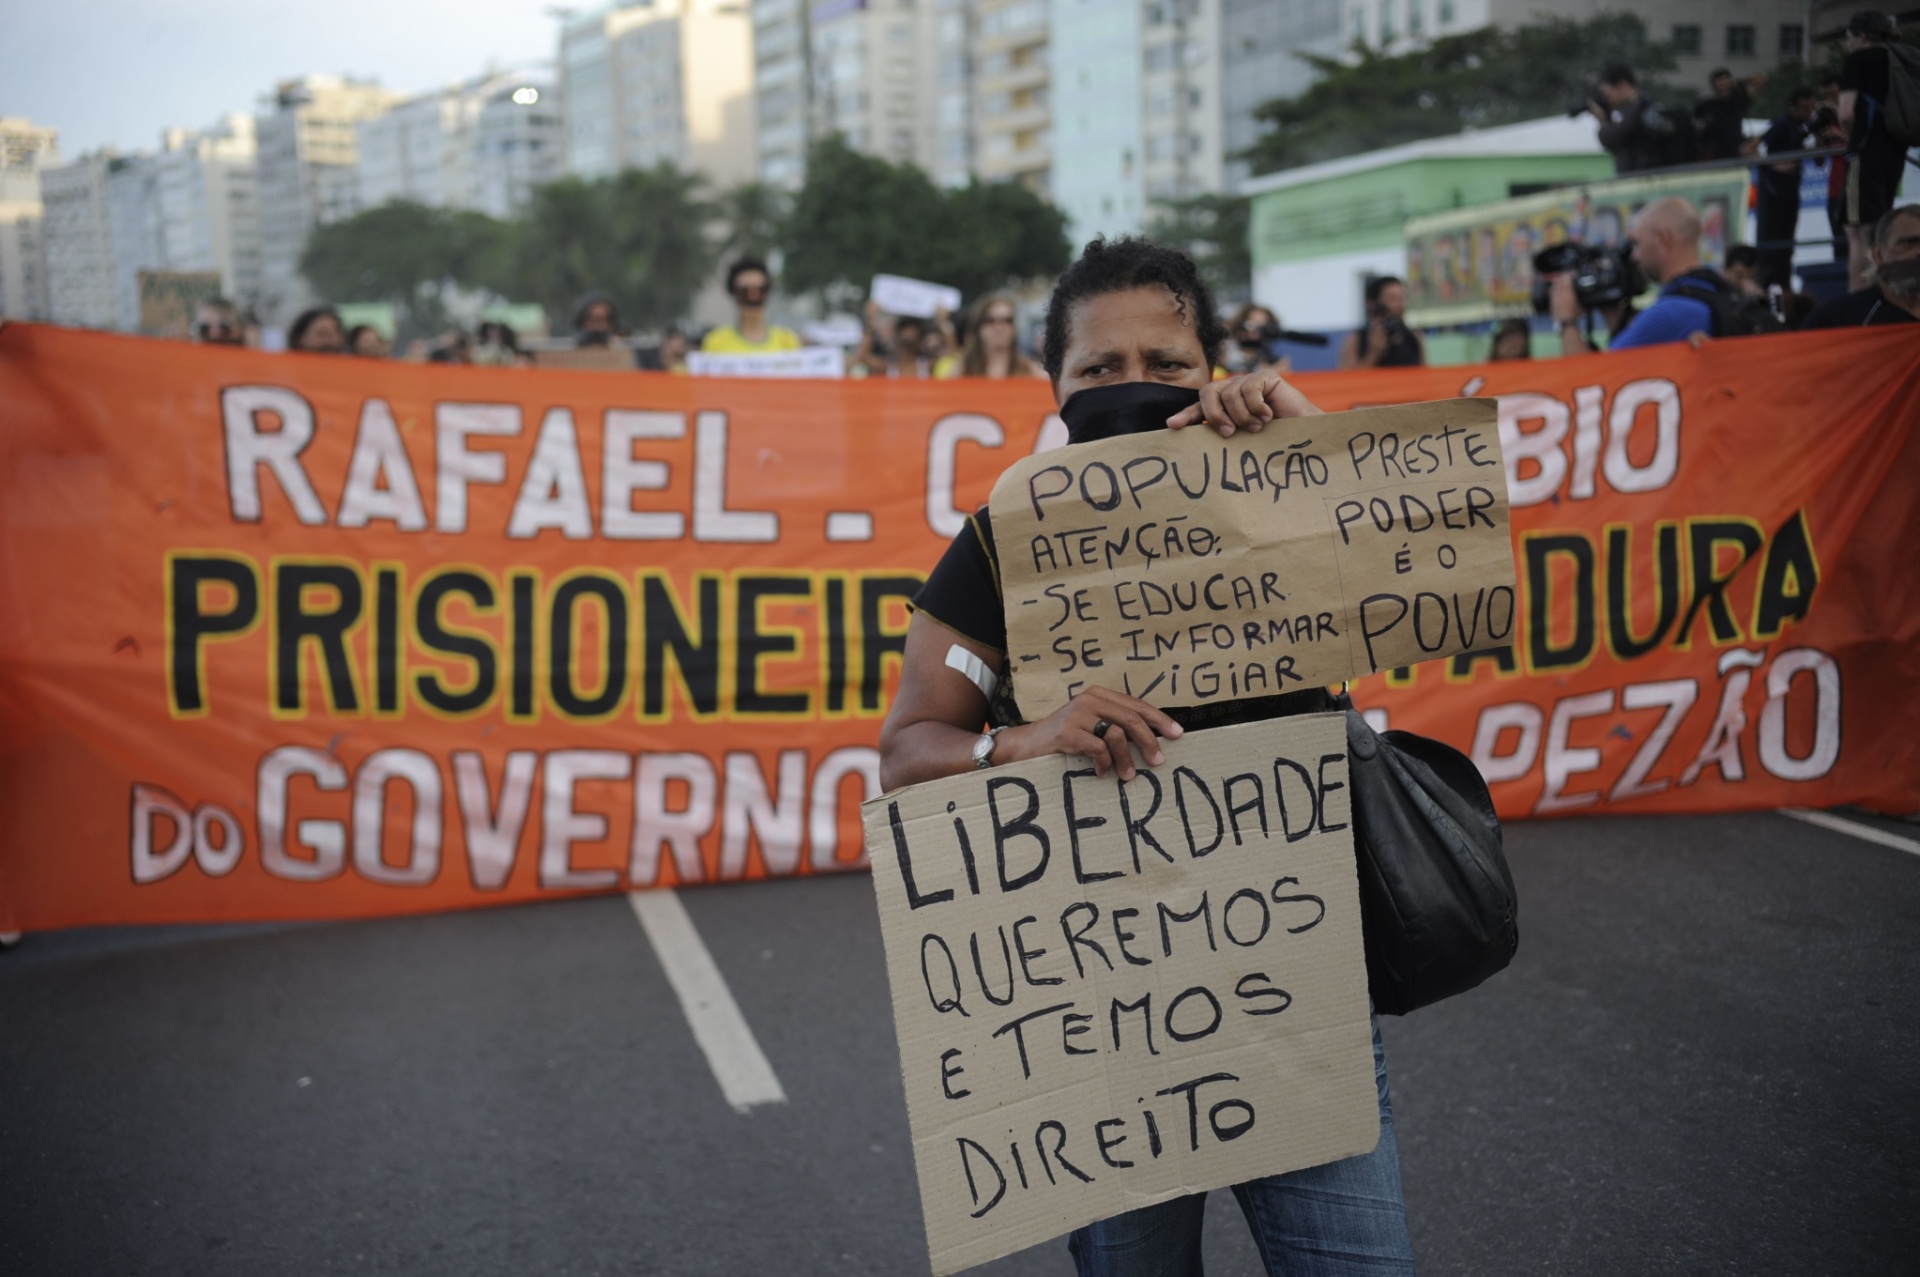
738 1064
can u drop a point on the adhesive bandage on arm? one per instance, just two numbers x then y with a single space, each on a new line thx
959 658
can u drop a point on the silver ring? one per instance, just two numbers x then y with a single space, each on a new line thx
1100 726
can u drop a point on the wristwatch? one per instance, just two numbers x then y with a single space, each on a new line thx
983 748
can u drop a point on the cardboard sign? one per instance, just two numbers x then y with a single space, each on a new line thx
170 299
813 361
609 358
1107 996
1187 569
898 295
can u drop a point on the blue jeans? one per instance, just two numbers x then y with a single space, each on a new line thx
1343 1219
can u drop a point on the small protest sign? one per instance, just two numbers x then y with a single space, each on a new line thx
823 362
1187 569
169 298
1109 995
898 295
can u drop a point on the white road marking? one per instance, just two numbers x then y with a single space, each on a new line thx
738 1064
1853 828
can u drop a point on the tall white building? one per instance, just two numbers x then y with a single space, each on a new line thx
26 150
1012 67
483 145
78 236
783 88
1259 44
206 191
876 72
1138 108
308 145
670 80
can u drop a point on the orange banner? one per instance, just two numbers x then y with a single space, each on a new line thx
301 637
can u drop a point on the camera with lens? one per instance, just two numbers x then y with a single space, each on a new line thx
1602 275
1590 98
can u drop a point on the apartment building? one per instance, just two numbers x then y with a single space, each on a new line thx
26 151
307 137
78 238
1013 54
206 204
669 81
482 145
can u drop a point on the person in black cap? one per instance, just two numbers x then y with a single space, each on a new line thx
1132 338
1875 157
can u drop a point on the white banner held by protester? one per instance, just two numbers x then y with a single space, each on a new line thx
821 362
1187 569
1109 995
898 295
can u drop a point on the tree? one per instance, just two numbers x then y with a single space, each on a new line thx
1473 80
564 246
994 234
753 215
404 253
1213 229
857 216
640 237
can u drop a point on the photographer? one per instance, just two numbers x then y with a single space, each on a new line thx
1252 334
1386 341
1778 188
1637 131
1665 236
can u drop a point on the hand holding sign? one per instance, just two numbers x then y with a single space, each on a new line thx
1182 570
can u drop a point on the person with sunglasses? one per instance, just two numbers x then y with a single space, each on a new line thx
991 347
749 283
218 324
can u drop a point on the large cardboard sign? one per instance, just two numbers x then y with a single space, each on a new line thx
1108 995
1185 569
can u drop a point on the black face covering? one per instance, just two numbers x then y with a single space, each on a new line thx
1129 408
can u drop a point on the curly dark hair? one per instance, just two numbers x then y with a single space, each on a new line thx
1116 265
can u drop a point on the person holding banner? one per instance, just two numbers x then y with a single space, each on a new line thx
1132 338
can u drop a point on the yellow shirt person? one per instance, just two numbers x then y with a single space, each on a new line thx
728 340
749 283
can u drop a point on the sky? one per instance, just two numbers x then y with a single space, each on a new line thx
117 72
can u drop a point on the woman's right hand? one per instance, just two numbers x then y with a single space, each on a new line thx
1069 730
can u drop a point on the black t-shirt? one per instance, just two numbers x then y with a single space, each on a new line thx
963 593
1865 72
1785 134
1722 123
1864 309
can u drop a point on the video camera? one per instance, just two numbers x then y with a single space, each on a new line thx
1269 335
1602 275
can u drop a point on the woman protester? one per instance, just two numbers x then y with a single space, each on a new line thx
991 347
1513 339
1132 338
368 342
318 332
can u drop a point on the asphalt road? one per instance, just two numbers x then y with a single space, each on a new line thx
1704 1060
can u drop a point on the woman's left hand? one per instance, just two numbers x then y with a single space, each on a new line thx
1246 402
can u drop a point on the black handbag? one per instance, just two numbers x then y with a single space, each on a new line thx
1437 903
